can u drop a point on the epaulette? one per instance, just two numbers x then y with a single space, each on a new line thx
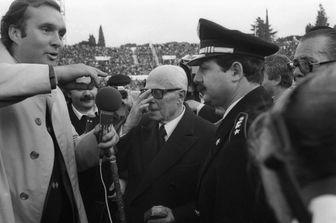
239 129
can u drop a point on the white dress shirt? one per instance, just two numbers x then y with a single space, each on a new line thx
171 125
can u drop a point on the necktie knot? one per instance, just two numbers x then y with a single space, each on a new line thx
162 132
84 118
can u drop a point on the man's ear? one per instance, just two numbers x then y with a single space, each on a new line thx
238 72
278 80
14 33
182 95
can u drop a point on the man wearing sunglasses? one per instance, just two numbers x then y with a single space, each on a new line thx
315 52
164 152
230 73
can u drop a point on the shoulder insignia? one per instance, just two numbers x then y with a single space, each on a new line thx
218 141
239 129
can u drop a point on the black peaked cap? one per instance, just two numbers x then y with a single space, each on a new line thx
119 80
217 40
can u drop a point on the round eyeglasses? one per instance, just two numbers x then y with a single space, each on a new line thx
305 65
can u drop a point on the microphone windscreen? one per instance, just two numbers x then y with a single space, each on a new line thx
108 99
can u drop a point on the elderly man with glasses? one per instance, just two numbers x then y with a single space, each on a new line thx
315 52
163 150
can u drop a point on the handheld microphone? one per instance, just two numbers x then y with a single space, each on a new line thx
108 100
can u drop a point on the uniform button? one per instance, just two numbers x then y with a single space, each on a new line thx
197 212
54 185
38 121
24 196
34 155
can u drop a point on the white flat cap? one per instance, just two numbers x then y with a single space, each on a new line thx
167 77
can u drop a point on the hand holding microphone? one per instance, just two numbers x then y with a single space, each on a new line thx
108 138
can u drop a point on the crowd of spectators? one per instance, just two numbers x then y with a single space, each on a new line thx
132 59
288 45
175 49
118 60
145 57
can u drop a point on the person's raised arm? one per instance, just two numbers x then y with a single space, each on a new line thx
139 107
66 75
20 81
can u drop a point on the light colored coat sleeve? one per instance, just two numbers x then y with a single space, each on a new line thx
33 79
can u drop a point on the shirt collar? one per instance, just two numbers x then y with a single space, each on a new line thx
227 112
230 108
91 113
171 125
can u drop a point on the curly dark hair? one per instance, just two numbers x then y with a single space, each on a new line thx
277 68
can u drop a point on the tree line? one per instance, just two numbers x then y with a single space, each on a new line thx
262 29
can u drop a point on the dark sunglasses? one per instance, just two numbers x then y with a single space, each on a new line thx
305 65
159 93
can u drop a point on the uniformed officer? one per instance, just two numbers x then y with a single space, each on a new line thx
229 75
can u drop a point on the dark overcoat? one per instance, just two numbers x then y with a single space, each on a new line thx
167 177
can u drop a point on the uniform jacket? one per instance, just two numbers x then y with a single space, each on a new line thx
26 148
168 177
229 190
208 112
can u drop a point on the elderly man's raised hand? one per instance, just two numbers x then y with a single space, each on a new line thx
66 76
139 107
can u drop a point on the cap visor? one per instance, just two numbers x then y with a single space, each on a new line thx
196 60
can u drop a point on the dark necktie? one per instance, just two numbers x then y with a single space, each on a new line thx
80 126
162 134
83 118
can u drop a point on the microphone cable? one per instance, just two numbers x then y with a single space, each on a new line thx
105 190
